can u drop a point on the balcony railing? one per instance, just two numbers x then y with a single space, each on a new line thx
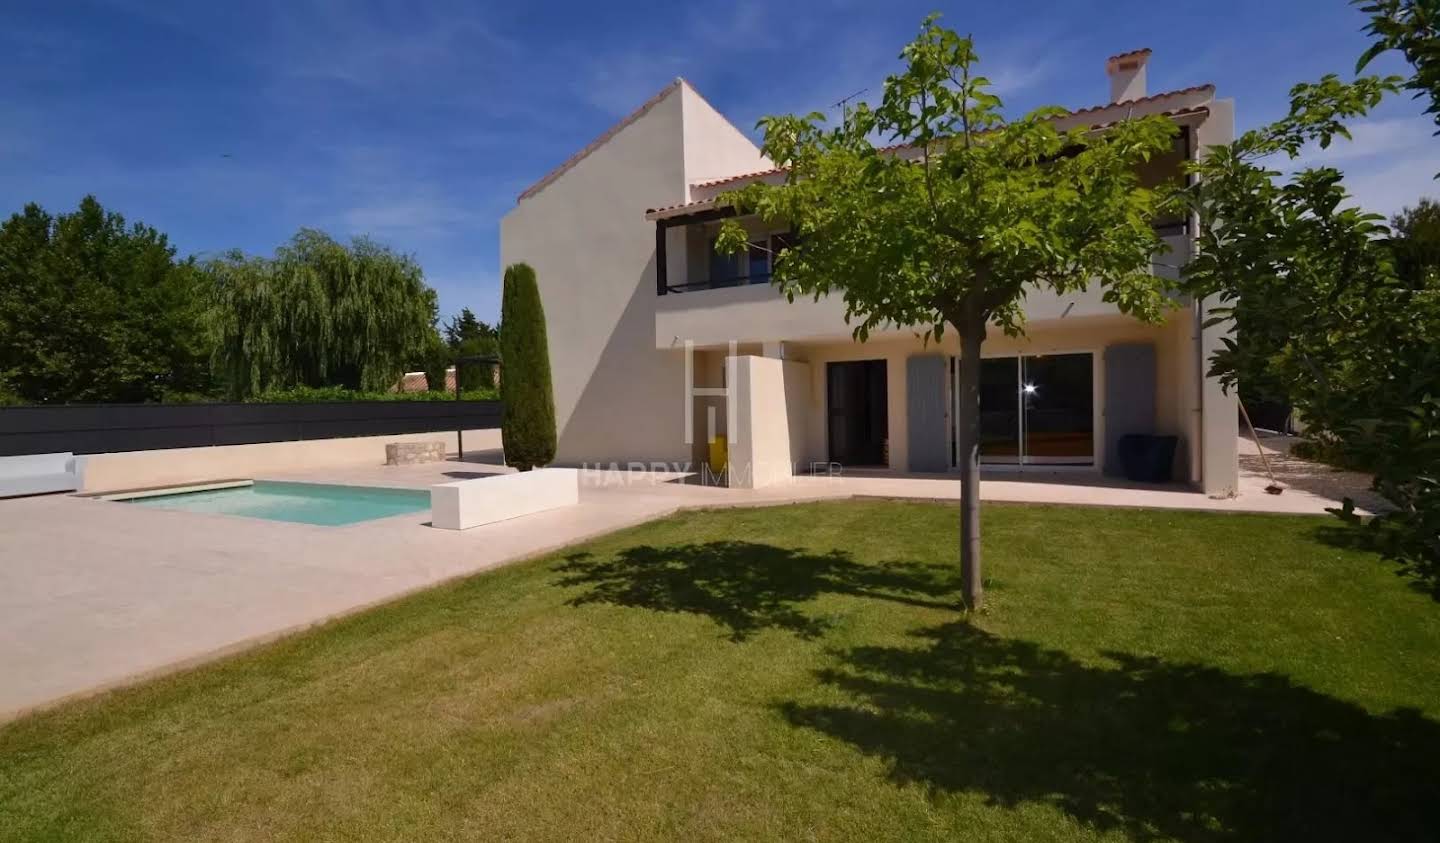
718 284
1172 232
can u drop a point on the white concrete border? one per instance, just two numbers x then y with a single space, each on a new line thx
472 503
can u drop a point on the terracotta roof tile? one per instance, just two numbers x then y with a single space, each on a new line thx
894 147
1194 89
755 175
694 204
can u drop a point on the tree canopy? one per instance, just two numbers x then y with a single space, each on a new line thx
948 228
1411 27
1337 313
95 310
1415 242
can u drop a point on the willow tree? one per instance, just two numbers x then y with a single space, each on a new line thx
952 228
320 313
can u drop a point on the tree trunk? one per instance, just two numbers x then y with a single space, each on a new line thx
972 335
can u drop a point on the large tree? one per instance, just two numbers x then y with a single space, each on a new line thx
1343 317
951 231
93 309
320 313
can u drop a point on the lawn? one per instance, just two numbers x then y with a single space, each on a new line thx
802 673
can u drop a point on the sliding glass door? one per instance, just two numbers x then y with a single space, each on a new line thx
1000 421
1035 409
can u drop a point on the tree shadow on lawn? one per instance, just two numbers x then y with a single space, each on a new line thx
1147 748
746 587
1419 574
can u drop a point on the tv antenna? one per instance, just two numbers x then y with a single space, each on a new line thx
844 104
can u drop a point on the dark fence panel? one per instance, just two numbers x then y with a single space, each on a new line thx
103 428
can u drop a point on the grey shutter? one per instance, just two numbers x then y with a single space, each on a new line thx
925 412
1129 396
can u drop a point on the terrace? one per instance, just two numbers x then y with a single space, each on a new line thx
99 593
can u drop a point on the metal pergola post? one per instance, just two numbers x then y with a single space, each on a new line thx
460 362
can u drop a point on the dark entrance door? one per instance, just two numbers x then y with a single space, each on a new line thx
857 412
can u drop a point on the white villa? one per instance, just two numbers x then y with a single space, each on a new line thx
642 315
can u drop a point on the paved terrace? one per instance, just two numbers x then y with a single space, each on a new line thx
95 594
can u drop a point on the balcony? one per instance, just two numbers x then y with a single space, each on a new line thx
713 300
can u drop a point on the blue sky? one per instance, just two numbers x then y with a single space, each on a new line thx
232 125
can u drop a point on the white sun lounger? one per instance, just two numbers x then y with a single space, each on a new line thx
37 474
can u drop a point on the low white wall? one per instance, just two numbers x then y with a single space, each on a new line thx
472 503
171 466
770 420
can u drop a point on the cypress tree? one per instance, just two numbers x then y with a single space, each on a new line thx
528 433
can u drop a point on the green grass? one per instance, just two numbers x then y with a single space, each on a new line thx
801 673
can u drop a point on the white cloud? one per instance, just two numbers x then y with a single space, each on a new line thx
408 215
1388 164
1009 78
1370 138
1395 183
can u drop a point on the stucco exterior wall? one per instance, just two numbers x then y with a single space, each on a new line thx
593 256
616 398
771 416
1219 417
759 313
714 147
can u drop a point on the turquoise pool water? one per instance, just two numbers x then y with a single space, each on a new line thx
305 503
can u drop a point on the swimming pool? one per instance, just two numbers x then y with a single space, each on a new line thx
304 503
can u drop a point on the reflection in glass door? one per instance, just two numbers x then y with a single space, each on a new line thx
1058 423
999 410
1034 410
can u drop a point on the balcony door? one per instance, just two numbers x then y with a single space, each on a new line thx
1034 409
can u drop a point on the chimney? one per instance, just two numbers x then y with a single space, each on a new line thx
1127 75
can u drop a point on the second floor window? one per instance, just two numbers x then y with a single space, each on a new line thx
724 269
759 262
754 266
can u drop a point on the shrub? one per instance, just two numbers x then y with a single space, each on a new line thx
528 433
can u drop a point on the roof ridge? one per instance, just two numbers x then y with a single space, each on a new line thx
1208 86
569 163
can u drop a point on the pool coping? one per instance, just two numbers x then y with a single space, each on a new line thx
163 491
